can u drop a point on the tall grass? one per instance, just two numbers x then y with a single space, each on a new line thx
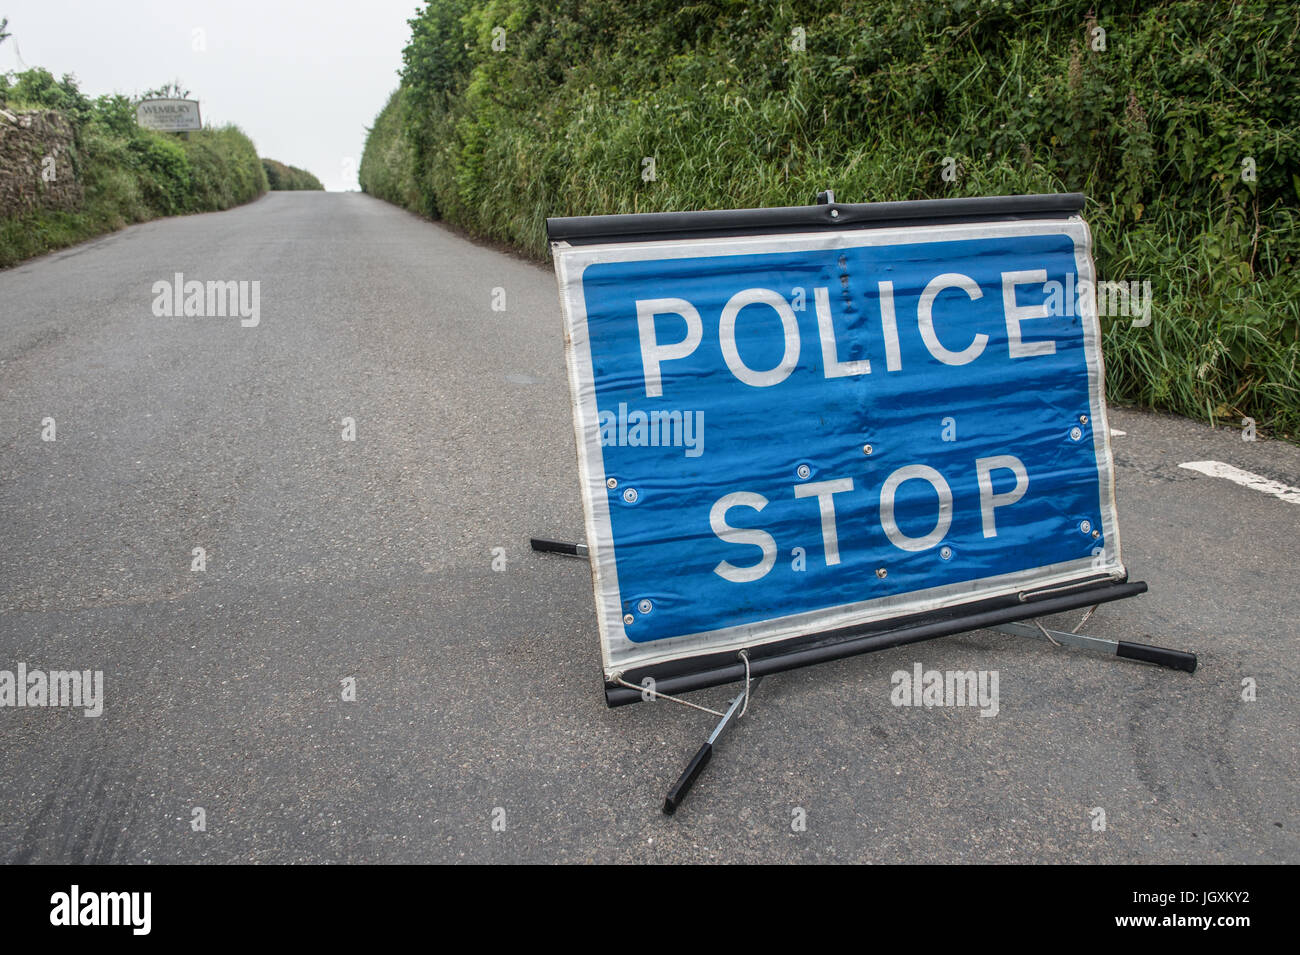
1154 129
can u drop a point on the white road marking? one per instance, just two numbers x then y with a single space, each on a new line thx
1117 433
1255 482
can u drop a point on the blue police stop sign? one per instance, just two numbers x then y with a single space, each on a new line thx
784 434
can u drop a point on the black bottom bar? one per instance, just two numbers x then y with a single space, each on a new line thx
850 641
1174 659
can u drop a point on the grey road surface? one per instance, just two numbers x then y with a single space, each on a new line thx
478 692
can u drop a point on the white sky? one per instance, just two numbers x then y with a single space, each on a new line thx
303 79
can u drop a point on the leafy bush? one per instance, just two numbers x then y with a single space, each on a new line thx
387 169
1153 121
164 172
37 89
227 171
288 178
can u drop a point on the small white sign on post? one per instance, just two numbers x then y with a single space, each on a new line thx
169 115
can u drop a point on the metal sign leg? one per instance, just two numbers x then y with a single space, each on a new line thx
558 547
701 759
1161 656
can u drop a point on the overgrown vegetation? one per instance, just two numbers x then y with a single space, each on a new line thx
1179 123
129 174
281 177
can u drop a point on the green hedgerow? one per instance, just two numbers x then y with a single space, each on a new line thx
1176 118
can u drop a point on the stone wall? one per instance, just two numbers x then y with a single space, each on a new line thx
36 163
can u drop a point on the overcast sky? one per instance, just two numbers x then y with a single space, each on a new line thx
303 79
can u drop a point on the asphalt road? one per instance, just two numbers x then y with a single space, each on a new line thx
478 692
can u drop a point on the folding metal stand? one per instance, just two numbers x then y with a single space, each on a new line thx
1160 656
1026 624
701 759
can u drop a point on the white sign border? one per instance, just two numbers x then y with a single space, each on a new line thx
620 654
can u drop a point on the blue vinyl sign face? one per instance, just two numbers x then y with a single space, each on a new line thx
785 434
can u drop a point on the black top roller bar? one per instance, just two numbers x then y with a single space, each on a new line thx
645 226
